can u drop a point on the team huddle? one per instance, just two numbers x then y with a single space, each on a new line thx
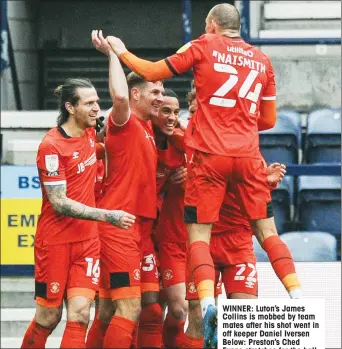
144 213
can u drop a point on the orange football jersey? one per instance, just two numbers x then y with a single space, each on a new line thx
71 161
130 182
231 79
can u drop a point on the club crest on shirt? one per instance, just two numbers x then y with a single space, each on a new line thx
51 162
192 287
54 287
168 274
136 274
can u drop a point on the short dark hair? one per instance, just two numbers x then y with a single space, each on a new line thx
191 95
226 16
67 92
134 80
169 93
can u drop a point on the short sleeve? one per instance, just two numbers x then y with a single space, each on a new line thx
186 57
50 165
270 91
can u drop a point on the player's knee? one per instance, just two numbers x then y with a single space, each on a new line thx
129 308
79 310
179 309
48 317
82 315
264 228
106 311
149 297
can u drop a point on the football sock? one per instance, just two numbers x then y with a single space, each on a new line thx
283 265
202 268
172 331
119 333
96 334
150 326
74 335
35 336
191 343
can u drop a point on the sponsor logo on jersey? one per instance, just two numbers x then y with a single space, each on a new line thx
91 160
52 174
51 162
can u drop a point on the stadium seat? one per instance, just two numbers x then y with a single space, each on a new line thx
319 204
282 200
311 246
281 143
323 143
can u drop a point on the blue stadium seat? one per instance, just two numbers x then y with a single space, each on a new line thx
281 143
311 246
282 200
319 204
260 254
323 143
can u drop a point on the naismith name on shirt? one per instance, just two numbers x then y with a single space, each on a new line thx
238 60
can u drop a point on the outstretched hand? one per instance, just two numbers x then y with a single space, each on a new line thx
100 42
120 219
275 173
116 44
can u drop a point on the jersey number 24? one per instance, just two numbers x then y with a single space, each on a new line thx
244 91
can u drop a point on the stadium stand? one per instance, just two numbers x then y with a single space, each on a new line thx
307 19
323 136
282 142
311 246
260 254
305 246
283 200
58 65
319 204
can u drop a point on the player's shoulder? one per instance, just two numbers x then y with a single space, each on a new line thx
257 52
206 38
50 140
178 132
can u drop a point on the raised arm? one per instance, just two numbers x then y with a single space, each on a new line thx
117 80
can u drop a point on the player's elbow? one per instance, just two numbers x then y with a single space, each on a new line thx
58 206
270 123
121 99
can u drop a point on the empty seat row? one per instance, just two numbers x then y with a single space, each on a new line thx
305 246
322 140
308 203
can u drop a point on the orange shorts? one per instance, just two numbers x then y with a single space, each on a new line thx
235 261
149 269
206 185
172 257
128 261
59 268
120 261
